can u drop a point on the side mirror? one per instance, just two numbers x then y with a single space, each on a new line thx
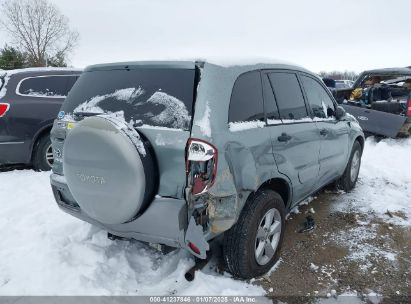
339 113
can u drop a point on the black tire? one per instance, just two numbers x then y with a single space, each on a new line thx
239 245
40 162
346 182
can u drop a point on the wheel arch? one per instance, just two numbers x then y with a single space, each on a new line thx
361 140
39 134
281 186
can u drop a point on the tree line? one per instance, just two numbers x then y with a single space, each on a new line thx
339 75
40 35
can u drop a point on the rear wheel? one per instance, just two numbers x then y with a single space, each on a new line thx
43 154
349 178
251 247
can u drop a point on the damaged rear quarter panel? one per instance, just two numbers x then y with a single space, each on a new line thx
245 156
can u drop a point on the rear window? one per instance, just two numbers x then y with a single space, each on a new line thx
46 86
156 97
246 99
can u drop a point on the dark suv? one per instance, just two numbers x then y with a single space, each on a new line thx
29 102
178 153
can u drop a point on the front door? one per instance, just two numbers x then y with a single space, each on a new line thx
334 133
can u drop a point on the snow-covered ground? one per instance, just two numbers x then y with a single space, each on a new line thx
384 182
44 251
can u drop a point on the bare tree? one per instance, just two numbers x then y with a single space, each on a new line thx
38 29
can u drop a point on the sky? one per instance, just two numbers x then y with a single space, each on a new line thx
320 35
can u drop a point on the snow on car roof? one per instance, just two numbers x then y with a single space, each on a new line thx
190 63
29 70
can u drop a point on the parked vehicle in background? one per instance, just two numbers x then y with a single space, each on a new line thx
343 84
29 102
178 153
381 101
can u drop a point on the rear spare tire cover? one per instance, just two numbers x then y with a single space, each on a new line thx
102 161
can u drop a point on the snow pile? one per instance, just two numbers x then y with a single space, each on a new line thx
47 252
384 181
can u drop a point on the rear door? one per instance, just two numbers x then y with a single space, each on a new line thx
249 145
333 132
295 137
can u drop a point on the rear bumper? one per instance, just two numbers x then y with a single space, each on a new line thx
164 221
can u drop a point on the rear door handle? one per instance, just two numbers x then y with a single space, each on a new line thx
323 132
284 137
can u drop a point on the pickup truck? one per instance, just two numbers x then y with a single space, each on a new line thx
381 101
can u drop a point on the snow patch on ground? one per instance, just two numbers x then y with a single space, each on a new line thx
308 200
45 251
359 241
384 182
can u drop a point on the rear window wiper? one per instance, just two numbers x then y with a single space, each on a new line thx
86 114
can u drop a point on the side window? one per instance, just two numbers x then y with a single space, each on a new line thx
246 99
289 97
48 86
269 101
318 98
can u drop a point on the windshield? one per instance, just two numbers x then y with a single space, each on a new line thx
150 96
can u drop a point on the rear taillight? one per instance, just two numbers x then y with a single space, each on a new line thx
409 107
201 165
4 107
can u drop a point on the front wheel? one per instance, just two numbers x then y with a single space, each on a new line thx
251 247
349 178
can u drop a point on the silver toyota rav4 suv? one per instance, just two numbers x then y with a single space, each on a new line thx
178 153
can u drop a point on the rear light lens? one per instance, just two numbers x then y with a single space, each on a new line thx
4 107
409 107
201 165
194 248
